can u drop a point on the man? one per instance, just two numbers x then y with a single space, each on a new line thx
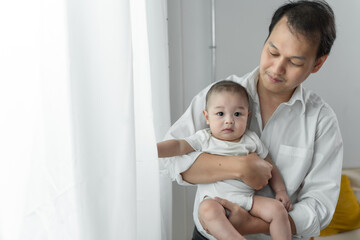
300 130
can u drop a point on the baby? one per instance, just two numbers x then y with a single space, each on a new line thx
226 113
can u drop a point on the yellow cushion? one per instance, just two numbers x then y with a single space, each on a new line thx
347 212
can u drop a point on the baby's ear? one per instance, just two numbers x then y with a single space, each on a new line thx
206 116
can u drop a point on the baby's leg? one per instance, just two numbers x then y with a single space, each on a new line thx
213 218
273 212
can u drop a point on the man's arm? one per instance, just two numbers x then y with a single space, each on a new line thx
173 147
318 196
251 169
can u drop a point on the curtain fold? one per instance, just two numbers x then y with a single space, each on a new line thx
111 79
159 71
82 121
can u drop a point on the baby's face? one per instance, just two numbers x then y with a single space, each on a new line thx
227 115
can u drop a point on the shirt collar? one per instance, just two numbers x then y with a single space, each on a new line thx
251 83
298 95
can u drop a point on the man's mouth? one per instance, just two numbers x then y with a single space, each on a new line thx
274 79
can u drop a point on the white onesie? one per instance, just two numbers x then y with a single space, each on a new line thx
235 191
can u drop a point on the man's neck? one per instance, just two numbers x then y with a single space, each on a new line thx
269 102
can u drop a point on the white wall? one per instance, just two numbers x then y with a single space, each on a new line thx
241 29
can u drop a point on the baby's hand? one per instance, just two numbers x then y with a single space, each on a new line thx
284 199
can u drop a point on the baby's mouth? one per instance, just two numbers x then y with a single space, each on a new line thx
228 130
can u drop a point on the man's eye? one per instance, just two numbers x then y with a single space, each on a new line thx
295 64
220 114
237 114
273 54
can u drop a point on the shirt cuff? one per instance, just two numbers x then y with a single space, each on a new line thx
306 221
174 166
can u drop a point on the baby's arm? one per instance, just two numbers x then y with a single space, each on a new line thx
278 186
173 147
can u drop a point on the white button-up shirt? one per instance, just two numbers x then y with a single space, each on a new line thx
304 141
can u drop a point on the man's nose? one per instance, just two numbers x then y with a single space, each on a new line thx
279 66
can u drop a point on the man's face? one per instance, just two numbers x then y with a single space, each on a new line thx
287 59
227 115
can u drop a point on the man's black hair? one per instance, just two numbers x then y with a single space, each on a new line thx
313 19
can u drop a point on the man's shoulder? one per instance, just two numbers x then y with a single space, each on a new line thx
312 98
314 102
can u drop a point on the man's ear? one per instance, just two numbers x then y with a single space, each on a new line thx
319 62
206 116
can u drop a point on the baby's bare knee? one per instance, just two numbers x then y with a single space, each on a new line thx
279 210
210 209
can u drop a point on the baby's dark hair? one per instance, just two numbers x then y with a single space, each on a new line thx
227 86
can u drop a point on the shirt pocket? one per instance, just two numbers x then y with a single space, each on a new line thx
293 164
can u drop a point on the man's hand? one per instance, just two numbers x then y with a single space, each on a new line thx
255 171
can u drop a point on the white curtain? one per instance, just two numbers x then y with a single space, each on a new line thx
84 90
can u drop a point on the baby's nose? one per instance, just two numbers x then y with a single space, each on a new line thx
229 120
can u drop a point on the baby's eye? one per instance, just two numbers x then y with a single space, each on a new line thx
237 114
220 114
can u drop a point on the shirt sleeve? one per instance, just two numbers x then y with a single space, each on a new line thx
198 140
318 196
190 122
